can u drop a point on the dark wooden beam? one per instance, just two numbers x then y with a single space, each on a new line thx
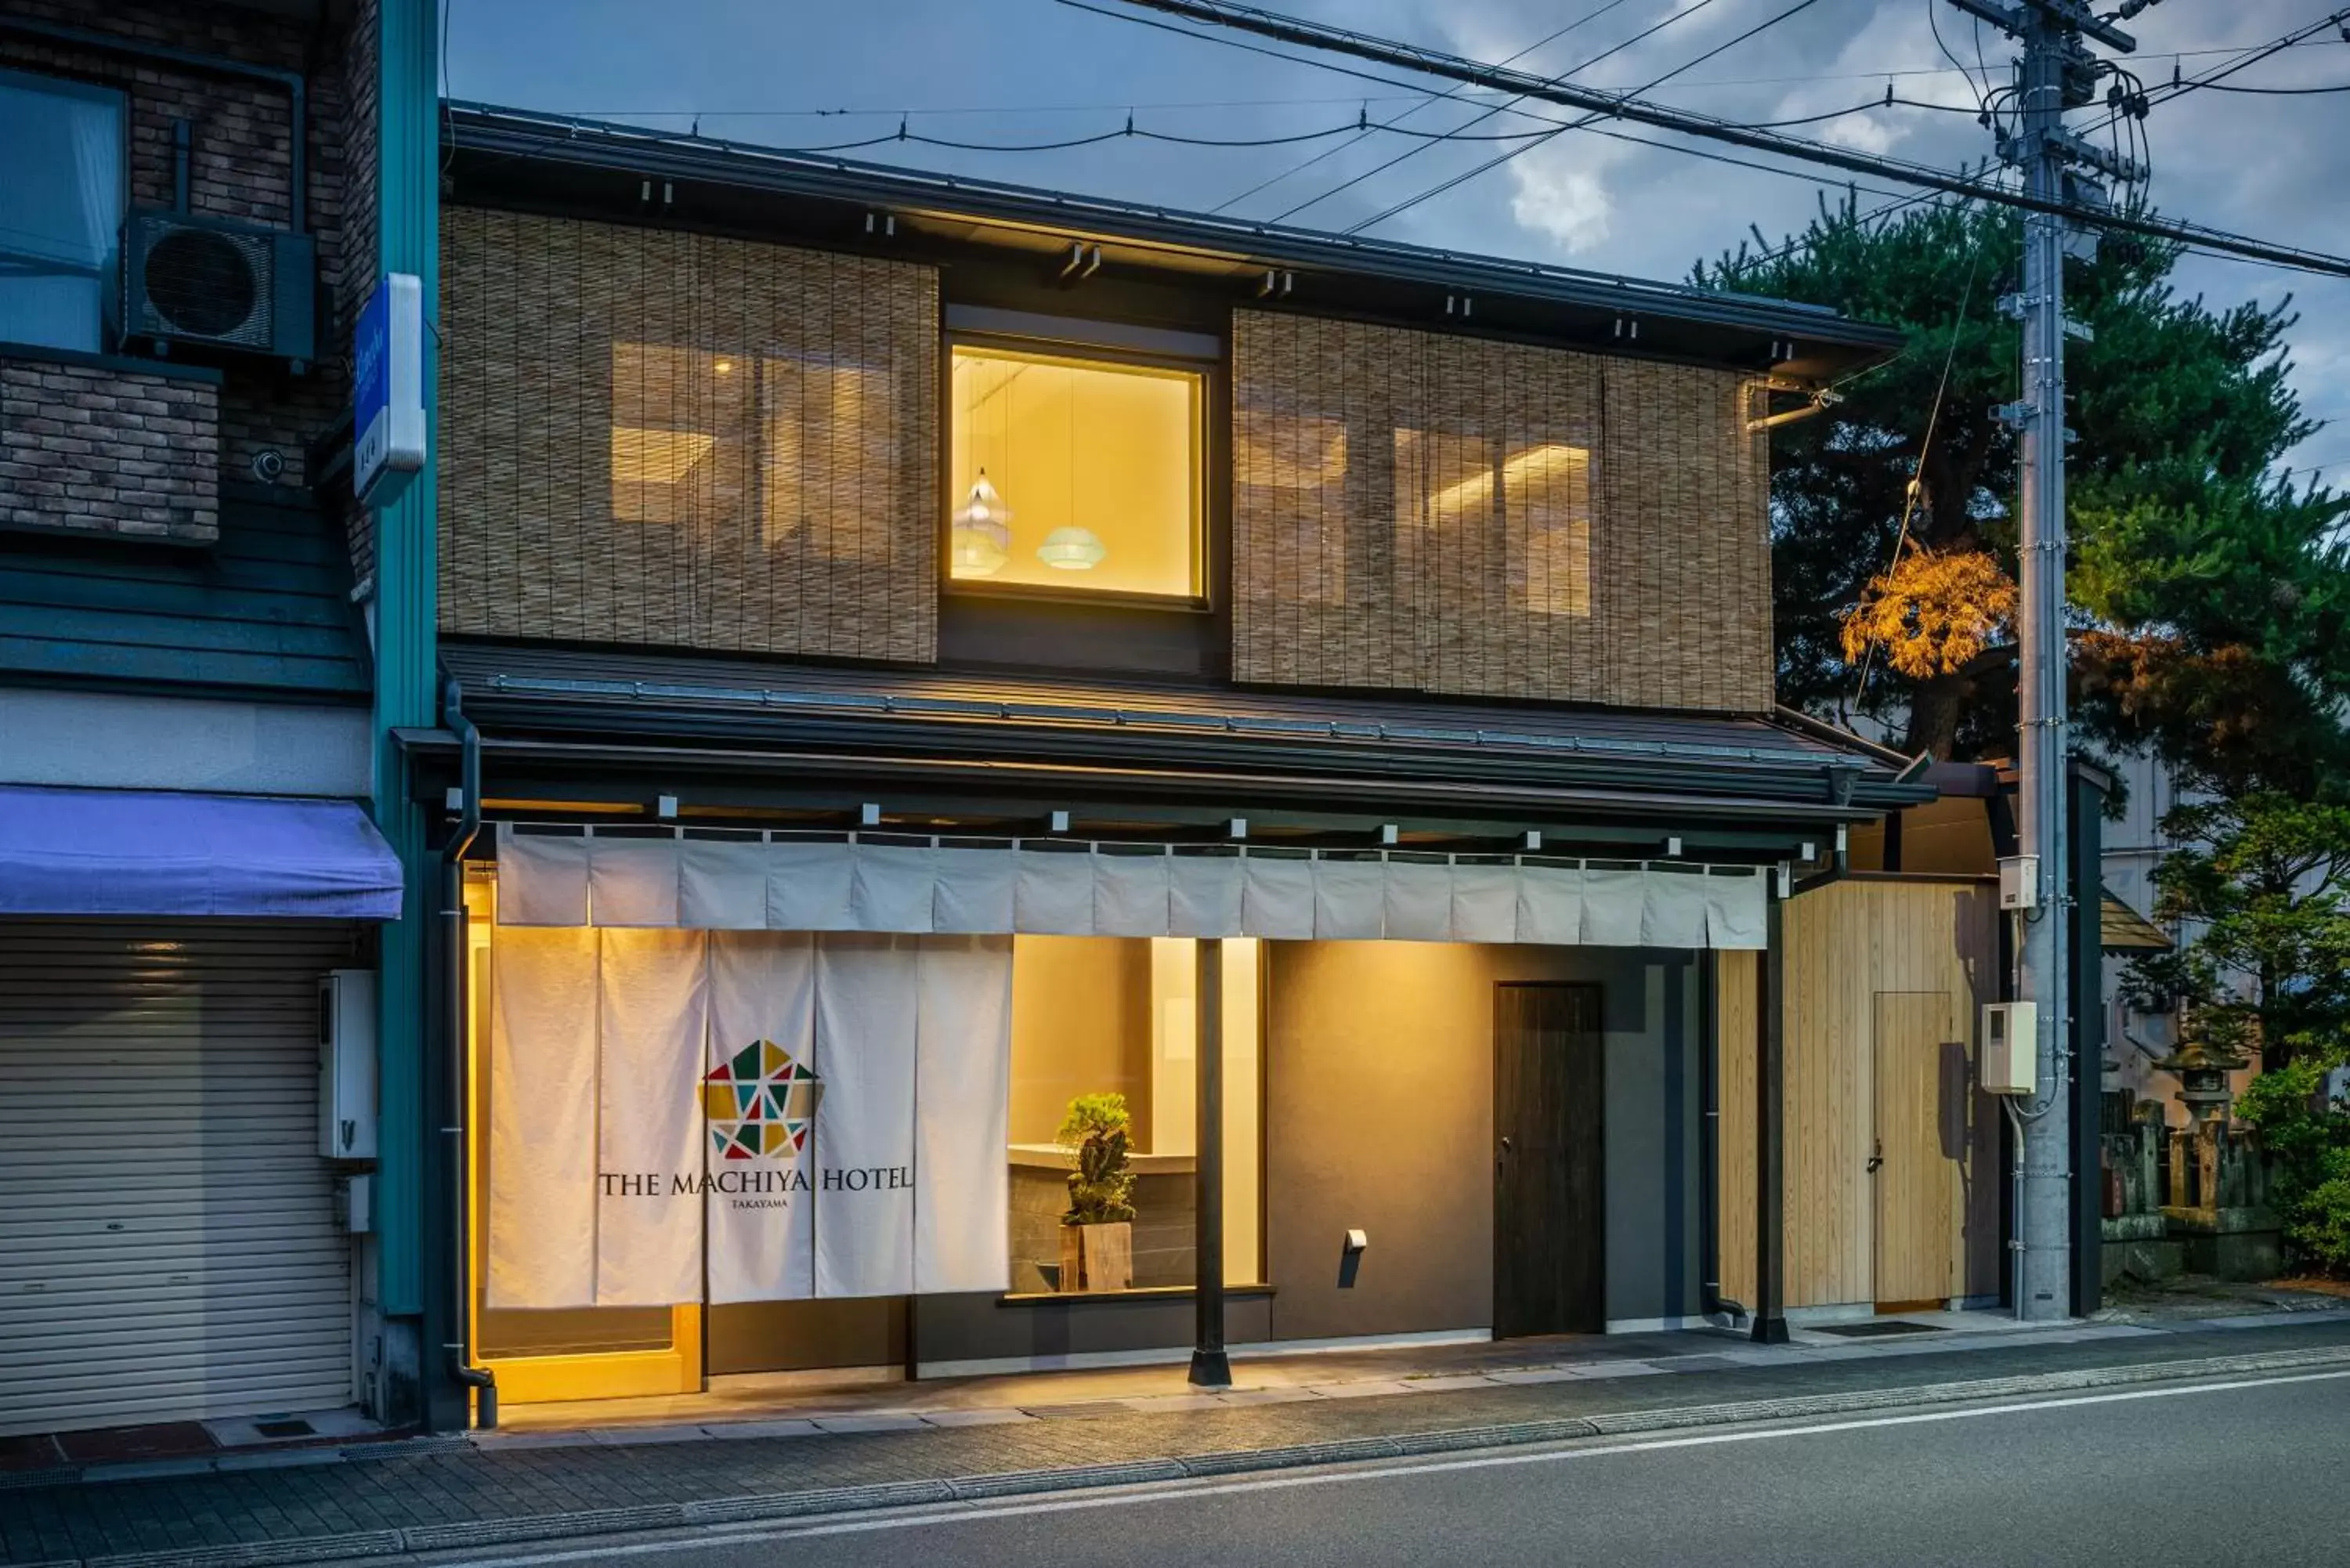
1211 1368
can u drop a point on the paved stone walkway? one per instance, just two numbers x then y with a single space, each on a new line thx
285 1498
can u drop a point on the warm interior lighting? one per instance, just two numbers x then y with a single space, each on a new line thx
1549 463
656 457
1072 549
1105 458
724 367
1278 452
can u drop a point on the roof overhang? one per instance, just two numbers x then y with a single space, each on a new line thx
557 722
512 157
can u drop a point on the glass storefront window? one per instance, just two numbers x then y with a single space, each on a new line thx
1099 1015
1079 475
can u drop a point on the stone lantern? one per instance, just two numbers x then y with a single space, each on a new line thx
2202 1069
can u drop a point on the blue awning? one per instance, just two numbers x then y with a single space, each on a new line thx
139 852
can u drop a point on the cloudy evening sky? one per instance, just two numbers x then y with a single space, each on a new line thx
803 73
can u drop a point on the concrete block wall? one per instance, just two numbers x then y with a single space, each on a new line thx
90 448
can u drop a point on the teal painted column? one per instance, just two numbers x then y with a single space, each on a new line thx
406 609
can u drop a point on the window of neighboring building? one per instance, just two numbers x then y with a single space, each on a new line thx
61 199
1075 474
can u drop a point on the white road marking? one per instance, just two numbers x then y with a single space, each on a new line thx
1168 1492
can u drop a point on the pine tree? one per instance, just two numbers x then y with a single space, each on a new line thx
2208 595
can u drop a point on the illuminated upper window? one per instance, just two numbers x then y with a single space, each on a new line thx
1075 474
1522 509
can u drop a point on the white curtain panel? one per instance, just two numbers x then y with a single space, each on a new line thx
1114 890
1672 908
632 881
1277 896
1130 894
722 886
963 1101
1550 905
542 879
650 1135
761 1244
1349 900
974 891
1052 892
1615 900
811 886
1203 893
541 1176
605 1170
867 1015
895 887
1735 906
1419 901
1485 902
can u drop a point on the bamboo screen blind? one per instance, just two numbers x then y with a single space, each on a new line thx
659 437
1426 510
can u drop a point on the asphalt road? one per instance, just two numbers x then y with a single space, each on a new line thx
2209 1474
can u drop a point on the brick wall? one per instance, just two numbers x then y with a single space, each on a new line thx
94 449
357 253
240 166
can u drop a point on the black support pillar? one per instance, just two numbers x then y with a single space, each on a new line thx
1209 1366
1770 1132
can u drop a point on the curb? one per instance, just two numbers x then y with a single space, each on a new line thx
292 1457
1014 1483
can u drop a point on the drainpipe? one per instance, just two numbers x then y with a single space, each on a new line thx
1710 1300
454 993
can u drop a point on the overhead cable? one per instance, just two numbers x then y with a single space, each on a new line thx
1455 91
1572 71
1629 107
1439 190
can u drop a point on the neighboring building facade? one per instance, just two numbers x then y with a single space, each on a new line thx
930 651
187 735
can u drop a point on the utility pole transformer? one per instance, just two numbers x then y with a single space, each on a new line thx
2056 73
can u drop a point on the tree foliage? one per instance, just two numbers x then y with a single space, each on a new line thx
2266 880
2308 1141
1096 1130
2209 595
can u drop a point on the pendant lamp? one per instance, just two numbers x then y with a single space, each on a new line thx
1072 549
982 540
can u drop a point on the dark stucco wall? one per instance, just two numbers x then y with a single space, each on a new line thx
1380 1117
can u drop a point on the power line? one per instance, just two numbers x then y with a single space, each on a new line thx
1690 123
1456 91
1496 162
1617 49
2252 55
2281 91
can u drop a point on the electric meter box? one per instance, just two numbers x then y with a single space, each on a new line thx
346 1091
2019 882
2010 1047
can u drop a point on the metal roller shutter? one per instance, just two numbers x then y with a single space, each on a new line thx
168 1247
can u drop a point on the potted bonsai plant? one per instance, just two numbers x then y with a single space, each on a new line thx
1097 1230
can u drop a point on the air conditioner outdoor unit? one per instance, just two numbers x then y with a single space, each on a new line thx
191 278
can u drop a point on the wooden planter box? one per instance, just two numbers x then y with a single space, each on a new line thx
1098 1257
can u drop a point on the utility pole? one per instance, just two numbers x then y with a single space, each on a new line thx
2056 73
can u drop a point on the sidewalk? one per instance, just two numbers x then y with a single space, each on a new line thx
312 1505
